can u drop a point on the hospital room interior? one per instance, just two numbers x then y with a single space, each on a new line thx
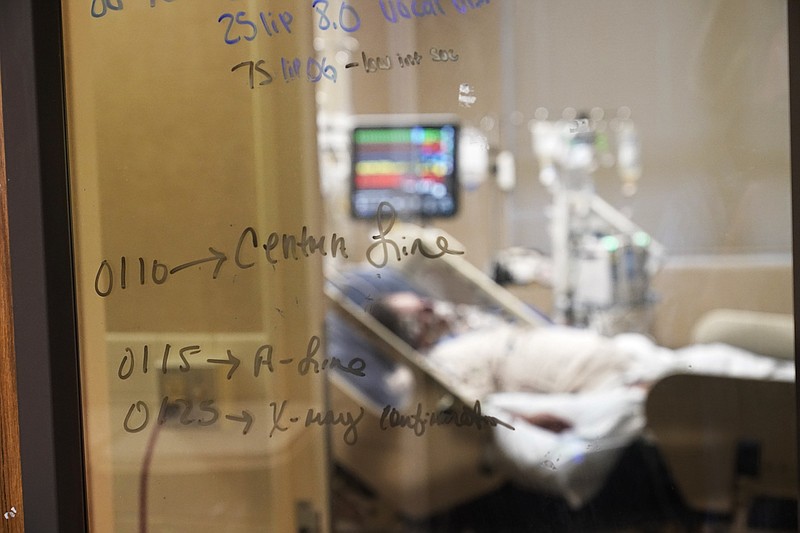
544 274
621 170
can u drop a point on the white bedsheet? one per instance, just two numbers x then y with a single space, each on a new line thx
575 463
651 362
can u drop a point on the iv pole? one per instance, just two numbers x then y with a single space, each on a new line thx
566 150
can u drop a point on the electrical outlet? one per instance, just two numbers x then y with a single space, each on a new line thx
195 386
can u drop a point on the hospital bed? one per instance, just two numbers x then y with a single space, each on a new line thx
727 442
747 427
420 475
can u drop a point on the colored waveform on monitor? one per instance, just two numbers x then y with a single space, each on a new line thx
378 181
381 166
400 135
433 169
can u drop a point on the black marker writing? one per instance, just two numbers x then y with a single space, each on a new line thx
438 54
219 257
378 253
330 418
184 412
264 360
206 406
246 418
231 360
309 363
277 413
265 78
275 248
286 246
139 406
138 415
419 421
374 64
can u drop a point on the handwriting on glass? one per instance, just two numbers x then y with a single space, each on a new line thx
205 413
281 416
378 253
263 357
248 25
291 70
418 421
378 63
274 248
396 10
314 70
241 26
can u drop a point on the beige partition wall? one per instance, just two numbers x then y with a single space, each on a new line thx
191 147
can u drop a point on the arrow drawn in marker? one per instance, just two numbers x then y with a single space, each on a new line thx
231 360
246 417
219 257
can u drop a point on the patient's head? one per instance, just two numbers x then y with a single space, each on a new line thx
413 318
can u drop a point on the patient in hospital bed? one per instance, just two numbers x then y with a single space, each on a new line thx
483 354
582 393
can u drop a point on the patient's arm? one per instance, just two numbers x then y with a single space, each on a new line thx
547 421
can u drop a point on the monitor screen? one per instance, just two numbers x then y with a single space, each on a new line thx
413 167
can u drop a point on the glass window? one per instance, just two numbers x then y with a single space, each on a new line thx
433 265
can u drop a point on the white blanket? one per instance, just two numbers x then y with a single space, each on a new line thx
575 463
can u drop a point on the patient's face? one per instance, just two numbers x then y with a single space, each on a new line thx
420 318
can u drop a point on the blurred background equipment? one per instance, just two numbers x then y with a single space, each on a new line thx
602 262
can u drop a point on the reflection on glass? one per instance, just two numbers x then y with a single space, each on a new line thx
625 172
547 286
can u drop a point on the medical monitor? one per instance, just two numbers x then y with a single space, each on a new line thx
411 165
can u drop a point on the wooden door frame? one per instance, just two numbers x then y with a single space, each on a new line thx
45 342
10 468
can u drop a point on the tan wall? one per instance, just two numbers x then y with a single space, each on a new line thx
706 83
173 154
687 288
